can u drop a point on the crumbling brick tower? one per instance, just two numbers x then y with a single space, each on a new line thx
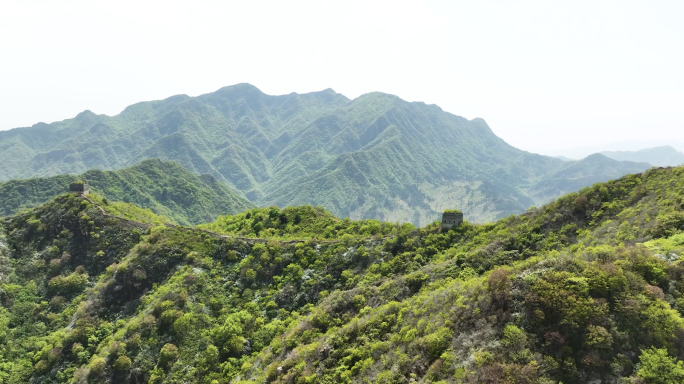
451 218
80 188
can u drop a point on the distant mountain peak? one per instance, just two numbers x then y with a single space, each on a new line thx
236 90
664 155
380 95
86 118
240 86
85 114
596 157
661 148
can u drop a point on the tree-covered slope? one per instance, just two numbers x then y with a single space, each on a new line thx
303 222
166 188
376 156
587 288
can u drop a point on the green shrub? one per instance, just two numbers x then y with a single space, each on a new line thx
167 355
97 366
73 283
416 280
122 363
657 367
438 341
183 324
513 336
598 337
668 224
359 301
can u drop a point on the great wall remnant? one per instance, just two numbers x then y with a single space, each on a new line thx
79 188
451 218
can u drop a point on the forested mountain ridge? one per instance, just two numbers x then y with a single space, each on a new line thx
166 188
589 287
376 156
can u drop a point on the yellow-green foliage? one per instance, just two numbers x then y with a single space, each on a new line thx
74 282
671 248
659 368
296 222
583 289
130 211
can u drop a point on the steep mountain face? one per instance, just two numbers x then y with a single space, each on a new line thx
663 156
589 288
164 187
376 156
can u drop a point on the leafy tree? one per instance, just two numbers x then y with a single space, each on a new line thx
167 355
657 367
122 363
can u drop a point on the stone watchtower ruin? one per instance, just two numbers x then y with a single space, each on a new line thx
80 188
451 218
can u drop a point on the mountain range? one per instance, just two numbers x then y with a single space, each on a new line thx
375 156
662 156
590 147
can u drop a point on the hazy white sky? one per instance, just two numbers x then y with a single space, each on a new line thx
547 76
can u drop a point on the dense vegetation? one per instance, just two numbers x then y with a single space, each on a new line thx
128 211
589 287
376 156
163 187
303 222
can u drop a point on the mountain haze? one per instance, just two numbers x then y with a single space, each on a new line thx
376 156
563 158
662 156
164 187
578 174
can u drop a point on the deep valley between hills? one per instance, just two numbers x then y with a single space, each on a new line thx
238 237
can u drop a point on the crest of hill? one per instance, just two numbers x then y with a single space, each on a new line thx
129 211
303 222
164 187
586 288
376 156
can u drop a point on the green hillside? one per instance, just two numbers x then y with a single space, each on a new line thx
129 211
303 222
166 188
588 288
374 157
